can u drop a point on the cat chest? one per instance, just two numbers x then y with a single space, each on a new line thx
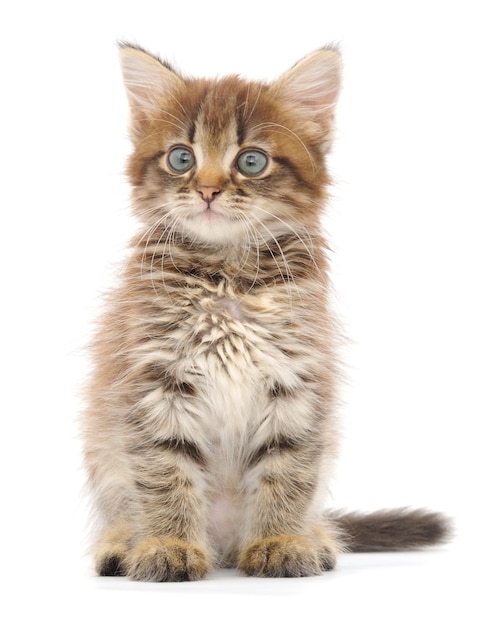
236 358
232 351
231 341
222 364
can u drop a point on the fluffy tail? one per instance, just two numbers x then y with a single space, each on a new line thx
391 530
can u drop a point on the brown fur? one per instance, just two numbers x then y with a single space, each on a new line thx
210 427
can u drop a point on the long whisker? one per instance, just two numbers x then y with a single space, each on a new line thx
250 231
254 104
287 279
147 236
294 232
180 105
171 244
163 118
167 224
291 132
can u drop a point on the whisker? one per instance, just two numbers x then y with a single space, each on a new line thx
163 118
254 104
167 224
288 130
290 278
182 108
148 234
250 234
294 232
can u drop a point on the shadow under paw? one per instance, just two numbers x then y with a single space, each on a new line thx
168 560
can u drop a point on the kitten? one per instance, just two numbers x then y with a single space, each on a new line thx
210 430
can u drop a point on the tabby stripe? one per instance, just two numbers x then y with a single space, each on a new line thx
285 162
182 446
191 132
273 447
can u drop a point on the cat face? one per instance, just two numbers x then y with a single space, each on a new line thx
229 161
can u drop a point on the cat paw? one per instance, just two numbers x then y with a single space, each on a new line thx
168 560
327 559
284 556
111 555
111 565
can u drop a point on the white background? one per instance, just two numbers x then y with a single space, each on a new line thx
407 223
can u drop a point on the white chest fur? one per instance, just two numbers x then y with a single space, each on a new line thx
232 351
233 362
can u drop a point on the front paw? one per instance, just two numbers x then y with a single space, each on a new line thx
110 565
168 560
283 556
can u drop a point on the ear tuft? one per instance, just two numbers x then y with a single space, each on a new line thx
147 79
313 84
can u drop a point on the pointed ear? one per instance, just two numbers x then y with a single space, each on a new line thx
313 84
147 80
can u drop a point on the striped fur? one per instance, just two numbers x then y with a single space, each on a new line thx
210 429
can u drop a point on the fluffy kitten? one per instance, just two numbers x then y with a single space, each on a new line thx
210 429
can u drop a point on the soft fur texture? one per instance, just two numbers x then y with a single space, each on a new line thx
210 429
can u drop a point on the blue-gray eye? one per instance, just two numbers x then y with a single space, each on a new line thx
252 162
181 159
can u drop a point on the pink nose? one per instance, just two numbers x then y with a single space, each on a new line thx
208 192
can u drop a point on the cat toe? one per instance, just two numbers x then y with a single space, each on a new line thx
168 560
327 560
282 556
111 565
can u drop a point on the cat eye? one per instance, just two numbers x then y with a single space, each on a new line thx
251 162
181 159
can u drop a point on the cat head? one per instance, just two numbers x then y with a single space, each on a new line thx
229 161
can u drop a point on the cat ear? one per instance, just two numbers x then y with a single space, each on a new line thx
147 79
313 84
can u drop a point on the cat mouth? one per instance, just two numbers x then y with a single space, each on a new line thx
211 214
213 224
206 214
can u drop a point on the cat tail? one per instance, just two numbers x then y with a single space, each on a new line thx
391 529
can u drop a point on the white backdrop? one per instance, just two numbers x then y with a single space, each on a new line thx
407 223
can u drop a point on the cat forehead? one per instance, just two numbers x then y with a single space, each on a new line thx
209 144
227 110
249 117
214 115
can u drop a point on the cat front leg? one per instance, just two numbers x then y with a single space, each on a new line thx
113 547
171 541
284 535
